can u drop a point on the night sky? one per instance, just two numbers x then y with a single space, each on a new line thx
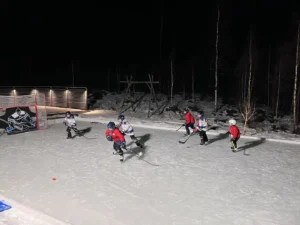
42 38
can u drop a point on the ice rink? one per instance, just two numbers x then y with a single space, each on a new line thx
205 185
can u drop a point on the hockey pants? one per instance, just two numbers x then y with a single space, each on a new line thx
234 142
117 148
203 136
188 126
69 132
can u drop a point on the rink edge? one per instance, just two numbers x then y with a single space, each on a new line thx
173 127
35 215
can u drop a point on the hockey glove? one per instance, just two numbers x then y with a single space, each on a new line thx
195 130
109 138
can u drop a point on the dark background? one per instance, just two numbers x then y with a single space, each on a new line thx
40 39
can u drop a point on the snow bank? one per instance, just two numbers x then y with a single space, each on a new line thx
23 215
263 124
170 126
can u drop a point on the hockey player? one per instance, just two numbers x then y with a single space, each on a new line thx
20 120
113 134
71 124
235 134
189 121
201 126
127 129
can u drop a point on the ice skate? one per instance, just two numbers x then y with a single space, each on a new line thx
202 142
138 144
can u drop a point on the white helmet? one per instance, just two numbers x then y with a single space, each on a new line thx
232 122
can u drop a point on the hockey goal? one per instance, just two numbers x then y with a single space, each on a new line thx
22 113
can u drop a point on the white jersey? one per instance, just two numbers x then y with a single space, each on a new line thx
202 124
19 117
126 127
21 114
70 121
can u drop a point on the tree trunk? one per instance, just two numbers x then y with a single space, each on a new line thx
118 79
295 83
161 30
193 84
108 79
183 88
242 87
73 75
172 82
216 63
269 64
250 69
248 109
278 91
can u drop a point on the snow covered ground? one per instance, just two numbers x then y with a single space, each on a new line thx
207 185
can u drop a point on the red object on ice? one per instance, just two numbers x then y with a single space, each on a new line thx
53 178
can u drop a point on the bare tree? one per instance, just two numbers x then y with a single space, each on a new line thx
193 84
108 79
278 90
161 30
269 71
216 63
248 108
118 78
172 81
295 119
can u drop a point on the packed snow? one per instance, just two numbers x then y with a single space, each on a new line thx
80 181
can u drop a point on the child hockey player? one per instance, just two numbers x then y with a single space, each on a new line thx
235 134
127 129
201 126
113 134
71 123
189 121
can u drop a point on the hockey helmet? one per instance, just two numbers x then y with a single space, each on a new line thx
18 111
111 125
68 114
121 117
186 109
200 113
232 122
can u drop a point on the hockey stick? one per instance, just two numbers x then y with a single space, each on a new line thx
183 142
179 128
80 134
137 155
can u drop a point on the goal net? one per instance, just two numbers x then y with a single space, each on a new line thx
23 113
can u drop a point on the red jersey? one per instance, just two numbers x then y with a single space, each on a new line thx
189 118
115 134
235 132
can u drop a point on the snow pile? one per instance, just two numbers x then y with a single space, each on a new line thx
136 108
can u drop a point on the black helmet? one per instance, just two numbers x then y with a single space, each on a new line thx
201 113
68 113
121 117
111 125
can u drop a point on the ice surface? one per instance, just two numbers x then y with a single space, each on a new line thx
207 185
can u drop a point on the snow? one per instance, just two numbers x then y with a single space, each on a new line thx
207 185
263 124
